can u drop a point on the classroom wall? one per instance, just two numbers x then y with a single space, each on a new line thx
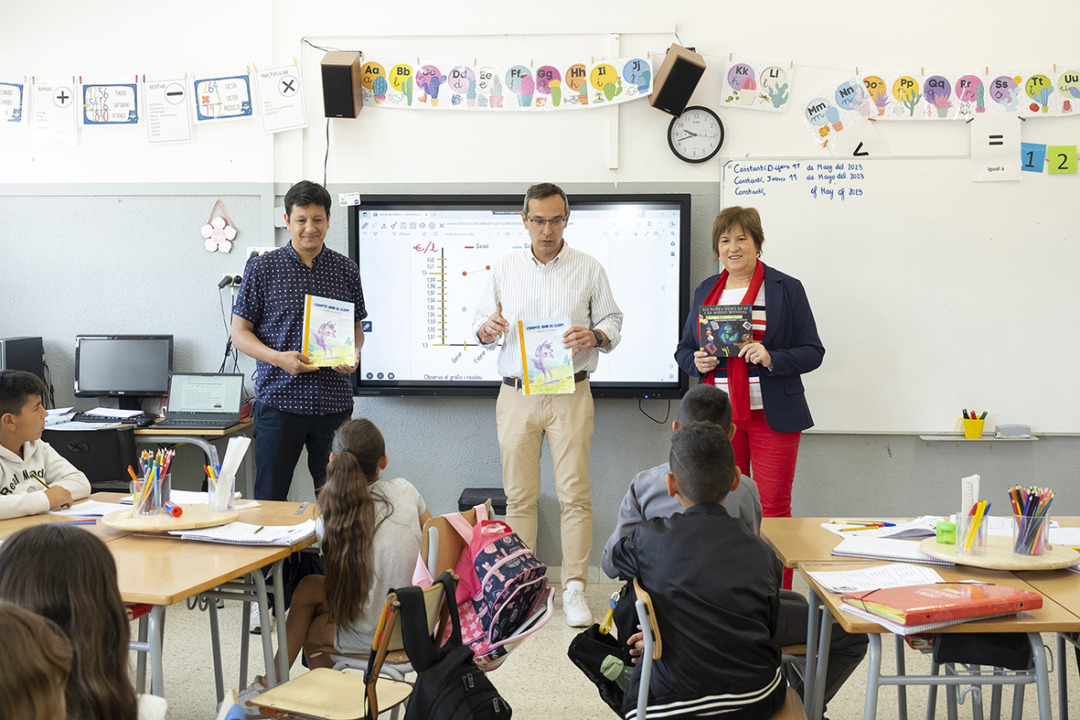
104 236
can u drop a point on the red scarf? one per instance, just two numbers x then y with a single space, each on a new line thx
738 376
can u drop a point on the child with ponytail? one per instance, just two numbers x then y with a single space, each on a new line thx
369 532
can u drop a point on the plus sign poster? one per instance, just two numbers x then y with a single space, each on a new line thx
280 101
53 119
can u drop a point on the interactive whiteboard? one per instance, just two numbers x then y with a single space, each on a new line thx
931 293
425 259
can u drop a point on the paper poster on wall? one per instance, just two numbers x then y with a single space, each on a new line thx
1032 157
757 84
537 86
110 104
1039 89
1061 159
165 108
995 148
895 95
281 104
11 102
1066 101
832 109
222 98
53 119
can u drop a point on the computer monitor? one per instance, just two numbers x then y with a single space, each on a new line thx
128 367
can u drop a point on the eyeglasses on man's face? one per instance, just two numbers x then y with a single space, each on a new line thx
555 222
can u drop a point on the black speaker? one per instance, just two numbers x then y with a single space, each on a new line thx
676 80
342 97
22 353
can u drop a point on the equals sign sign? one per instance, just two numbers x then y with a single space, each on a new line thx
997 139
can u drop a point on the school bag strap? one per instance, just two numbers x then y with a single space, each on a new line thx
419 645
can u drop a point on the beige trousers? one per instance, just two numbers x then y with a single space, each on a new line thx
567 420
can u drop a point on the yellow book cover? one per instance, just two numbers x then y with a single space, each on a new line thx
329 331
546 366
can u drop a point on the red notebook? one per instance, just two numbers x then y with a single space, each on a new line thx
943 602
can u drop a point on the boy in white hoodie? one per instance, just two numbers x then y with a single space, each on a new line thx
34 478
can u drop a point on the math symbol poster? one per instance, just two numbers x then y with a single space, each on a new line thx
53 121
281 103
104 105
12 95
167 111
222 98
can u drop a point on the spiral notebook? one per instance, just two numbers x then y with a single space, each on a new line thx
886 549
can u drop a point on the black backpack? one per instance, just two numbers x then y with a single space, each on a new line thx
449 686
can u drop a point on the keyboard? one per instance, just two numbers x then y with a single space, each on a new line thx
108 419
212 424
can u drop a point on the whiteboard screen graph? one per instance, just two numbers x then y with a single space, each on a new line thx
931 293
425 261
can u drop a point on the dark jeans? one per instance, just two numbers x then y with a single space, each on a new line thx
279 438
846 650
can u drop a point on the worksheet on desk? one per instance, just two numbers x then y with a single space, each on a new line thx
874 578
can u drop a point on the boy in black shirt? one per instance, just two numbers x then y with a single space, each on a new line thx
716 589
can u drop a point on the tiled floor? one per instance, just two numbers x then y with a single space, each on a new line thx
537 680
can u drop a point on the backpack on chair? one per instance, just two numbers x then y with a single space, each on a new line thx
450 686
502 588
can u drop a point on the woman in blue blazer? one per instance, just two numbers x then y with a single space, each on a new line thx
764 380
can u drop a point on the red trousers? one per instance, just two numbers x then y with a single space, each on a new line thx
769 458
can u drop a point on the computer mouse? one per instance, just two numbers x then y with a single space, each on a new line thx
145 422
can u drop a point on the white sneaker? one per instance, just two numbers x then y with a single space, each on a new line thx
574 605
254 621
252 691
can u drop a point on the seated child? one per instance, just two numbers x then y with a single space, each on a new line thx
716 590
369 532
647 497
33 477
67 575
34 666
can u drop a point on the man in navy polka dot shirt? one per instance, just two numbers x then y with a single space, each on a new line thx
296 403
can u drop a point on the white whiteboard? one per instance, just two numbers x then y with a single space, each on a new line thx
931 293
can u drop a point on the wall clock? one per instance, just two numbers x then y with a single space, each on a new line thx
696 135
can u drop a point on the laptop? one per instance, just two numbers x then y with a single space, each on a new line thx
203 400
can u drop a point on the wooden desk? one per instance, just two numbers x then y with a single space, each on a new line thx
162 570
1052 617
1063 587
800 542
202 438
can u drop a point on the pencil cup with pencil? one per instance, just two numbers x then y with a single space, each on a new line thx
971 534
219 490
1031 519
149 495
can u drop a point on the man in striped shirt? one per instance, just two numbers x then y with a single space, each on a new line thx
546 279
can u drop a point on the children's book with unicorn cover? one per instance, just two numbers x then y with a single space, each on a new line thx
547 368
329 331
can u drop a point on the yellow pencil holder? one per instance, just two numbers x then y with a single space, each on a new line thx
971 535
973 429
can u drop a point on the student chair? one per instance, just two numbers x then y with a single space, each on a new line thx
102 455
441 545
792 709
340 694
